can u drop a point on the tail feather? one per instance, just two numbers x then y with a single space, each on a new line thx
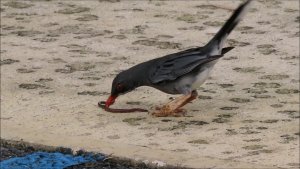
216 43
225 50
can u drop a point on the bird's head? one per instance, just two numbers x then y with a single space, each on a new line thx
121 84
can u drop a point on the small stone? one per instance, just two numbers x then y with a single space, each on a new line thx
269 121
262 96
46 92
29 33
240 100
253 140
262 128
225 85
255 90
31 86
199 141
276 105
87 17
225 115
166 120
220 120
249 121
113 137
275 77
119 36
8 61
251 132
247 69
254 147
93 93
196 122
73 10
204 97
266 85
229 108
133 102
287 91
23 70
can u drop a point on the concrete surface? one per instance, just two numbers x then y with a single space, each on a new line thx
58 59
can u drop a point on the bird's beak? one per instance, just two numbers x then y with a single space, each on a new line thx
110 100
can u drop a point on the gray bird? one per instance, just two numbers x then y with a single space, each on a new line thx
177 73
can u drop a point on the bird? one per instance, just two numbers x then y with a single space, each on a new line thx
178 73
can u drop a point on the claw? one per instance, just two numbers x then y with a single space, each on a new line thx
167 112
173 108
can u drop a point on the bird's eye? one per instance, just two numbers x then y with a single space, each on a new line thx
119 87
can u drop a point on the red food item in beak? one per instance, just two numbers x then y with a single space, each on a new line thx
110 101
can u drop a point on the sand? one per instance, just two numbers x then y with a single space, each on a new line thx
58 59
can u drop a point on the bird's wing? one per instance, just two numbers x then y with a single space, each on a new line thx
175 65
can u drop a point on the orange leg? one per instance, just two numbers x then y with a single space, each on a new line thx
173 108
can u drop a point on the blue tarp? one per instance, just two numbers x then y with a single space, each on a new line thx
43 160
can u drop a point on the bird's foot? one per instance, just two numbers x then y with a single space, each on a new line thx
173 108
167 111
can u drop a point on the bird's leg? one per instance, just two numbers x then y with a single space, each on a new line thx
173 108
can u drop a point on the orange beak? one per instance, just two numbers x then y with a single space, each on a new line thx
110 101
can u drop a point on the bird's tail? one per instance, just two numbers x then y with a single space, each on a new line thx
215 45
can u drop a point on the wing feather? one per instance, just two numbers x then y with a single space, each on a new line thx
175 65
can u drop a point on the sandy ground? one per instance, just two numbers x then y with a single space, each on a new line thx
58 59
